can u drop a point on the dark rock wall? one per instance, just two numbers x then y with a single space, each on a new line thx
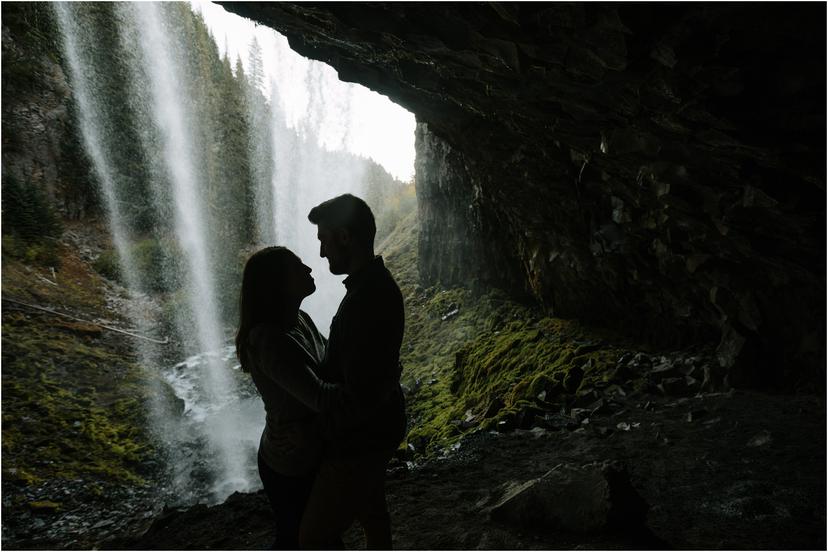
659 167
40 147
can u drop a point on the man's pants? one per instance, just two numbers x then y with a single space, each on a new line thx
348 489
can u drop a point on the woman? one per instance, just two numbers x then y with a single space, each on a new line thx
281 348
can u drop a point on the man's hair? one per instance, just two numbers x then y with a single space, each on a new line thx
349 212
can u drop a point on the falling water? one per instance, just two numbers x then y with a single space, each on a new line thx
92 116
209 446
305 173
174 122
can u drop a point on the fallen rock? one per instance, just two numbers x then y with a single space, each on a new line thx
760 439
665 370
671 386
595 497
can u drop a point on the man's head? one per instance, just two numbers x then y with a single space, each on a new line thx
346 230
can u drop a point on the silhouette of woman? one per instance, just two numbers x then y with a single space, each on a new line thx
279 345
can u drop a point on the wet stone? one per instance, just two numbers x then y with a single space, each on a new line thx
579 499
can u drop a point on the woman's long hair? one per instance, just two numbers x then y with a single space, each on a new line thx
261 300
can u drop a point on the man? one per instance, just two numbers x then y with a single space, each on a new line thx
363 357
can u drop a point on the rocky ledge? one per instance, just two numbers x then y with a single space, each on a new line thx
737 470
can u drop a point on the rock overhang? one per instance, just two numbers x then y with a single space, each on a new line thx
653 166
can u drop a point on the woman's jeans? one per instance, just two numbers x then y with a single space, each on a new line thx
288 496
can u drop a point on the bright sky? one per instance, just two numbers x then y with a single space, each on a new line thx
345 114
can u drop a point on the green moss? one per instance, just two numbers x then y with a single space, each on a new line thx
470 361
44 505
72 399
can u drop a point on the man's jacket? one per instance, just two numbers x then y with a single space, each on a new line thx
363 355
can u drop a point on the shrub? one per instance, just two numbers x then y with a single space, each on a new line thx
107 265
27 213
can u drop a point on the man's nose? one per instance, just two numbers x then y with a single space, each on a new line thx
322 251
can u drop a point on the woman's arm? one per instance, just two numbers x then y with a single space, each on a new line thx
281 360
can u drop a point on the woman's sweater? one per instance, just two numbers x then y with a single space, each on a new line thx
283 366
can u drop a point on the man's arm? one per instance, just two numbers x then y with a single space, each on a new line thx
281 360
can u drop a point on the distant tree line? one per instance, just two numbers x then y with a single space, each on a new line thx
231 133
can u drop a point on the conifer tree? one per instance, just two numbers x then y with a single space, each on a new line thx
256 64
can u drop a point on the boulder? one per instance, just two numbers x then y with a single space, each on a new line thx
594 497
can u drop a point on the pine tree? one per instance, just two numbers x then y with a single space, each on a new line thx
256 65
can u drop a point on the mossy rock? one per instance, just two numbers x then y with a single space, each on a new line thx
44 507
488 362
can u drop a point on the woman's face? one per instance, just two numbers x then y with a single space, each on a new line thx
298 280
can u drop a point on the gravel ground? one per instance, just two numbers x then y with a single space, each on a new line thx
738 470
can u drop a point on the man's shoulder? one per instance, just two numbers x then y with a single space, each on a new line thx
382 286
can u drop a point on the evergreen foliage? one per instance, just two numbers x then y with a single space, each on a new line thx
27 214
231 124
34 29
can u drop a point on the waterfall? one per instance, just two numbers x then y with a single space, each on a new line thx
92 117
132 64
219 418
306 173
181 162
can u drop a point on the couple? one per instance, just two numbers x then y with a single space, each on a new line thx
335 410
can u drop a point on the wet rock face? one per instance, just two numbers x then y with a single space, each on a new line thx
656 167
37 127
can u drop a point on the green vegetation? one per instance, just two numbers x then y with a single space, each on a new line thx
72 396
470 361
30 223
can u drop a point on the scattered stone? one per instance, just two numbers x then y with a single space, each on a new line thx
693 384
623 426
579 499
760 439
506 425
579 414
603 431
586 397
621 373
695 415
558 422
615 391
450 314
525 418
688 368
103 523
678 386
640 363
714 378
665 370
600 407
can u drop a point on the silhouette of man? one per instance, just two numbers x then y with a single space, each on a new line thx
363 357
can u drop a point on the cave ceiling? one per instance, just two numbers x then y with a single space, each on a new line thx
656 166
